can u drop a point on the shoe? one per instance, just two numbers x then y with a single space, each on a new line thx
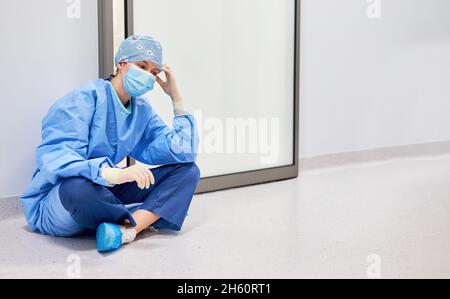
109 237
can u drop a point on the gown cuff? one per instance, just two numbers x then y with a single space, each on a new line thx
100 180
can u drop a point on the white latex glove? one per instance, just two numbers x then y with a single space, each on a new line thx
179 105
170 88
136 173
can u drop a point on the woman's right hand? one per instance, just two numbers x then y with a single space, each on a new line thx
137 173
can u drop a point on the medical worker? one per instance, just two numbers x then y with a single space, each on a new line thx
77 186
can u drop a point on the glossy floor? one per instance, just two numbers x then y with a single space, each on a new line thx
389 219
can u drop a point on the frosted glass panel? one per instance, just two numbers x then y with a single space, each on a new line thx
234 64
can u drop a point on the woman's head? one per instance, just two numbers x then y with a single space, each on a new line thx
143 51
138 62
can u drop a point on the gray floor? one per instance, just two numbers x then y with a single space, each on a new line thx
323 225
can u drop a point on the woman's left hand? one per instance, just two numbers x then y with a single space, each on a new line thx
170 86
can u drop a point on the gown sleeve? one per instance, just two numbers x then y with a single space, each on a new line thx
162 145
65 141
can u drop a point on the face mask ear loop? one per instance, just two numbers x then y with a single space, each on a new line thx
123 62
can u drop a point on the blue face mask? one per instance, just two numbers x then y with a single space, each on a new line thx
138 82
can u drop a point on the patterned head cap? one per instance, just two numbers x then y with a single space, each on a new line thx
140 48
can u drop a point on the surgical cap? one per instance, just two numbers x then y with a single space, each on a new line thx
140 48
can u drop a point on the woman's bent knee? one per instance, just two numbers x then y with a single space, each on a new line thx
192 171
73 192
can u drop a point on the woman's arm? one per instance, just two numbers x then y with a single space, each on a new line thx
162 145
65 140
171 89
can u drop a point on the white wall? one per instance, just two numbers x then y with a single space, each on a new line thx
43 55
371 83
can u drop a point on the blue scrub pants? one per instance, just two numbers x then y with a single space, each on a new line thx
91 204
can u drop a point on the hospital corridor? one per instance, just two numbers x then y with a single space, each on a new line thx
239 143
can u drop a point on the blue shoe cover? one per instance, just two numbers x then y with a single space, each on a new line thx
109 237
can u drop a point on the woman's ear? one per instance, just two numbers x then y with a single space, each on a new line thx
120 67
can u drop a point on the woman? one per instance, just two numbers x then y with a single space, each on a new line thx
77 187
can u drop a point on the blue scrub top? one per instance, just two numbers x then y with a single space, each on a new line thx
91 128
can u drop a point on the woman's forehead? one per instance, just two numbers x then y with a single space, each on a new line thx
149 64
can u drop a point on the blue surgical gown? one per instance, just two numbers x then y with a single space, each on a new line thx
88 129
